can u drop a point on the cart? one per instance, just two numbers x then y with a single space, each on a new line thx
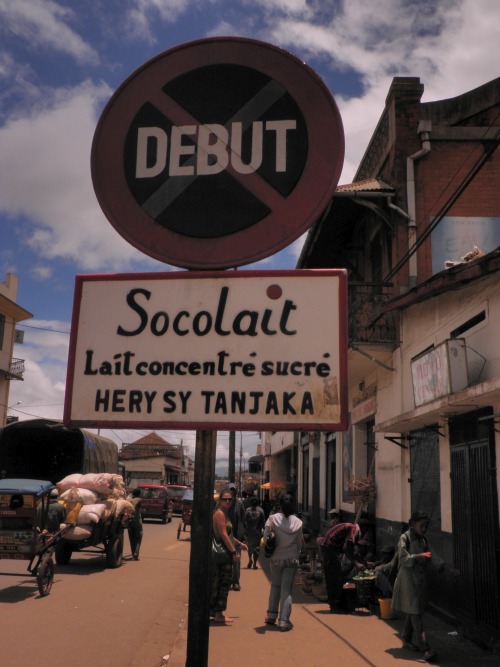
24 514
106 538
186 511
365 592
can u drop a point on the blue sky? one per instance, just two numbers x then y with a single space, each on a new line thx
61 61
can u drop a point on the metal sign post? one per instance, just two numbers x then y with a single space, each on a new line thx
200 560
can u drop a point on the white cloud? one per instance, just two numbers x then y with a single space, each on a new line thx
43 23
45 163
42 272
447 44
143 15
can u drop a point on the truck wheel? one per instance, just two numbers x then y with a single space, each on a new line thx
45 575
114 551
63 553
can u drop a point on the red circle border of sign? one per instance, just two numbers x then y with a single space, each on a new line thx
274 232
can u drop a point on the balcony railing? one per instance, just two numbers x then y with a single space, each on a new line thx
367 324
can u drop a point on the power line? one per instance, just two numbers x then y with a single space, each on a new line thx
32 326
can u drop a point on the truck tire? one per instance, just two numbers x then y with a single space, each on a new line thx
63 553
114 551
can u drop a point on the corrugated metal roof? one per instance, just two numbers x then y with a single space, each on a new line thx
370 185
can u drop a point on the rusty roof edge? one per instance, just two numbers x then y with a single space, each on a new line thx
446 280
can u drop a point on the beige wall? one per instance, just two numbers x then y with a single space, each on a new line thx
425 324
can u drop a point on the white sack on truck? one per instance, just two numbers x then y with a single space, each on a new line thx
104 483
91 514
124 506
77 532
79 495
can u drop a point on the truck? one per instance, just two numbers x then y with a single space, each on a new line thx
46 449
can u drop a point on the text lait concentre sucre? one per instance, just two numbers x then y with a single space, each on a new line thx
251 323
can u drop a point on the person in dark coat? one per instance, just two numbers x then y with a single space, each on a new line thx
410 594
254 525
135 524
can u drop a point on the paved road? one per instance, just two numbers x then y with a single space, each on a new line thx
95 617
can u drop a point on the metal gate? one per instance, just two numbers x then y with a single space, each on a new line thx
475 518
424 478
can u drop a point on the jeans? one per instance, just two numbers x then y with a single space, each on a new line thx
280 595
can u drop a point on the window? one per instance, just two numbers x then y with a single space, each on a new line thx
466 326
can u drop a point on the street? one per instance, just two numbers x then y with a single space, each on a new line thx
128 617
136 616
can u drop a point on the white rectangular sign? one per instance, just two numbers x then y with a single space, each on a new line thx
440 371
221 350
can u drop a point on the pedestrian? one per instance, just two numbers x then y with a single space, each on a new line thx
246 500
339 540
266 505
237 518
410 589
284 562
222 572
134 526
254 522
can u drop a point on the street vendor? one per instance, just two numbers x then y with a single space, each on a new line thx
339 540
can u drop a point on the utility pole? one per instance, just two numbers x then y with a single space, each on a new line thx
232 456
240 485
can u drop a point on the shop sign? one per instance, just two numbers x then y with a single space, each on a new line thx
364 410
217 153
241 350
440 371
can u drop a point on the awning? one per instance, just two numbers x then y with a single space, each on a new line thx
278 485
442 409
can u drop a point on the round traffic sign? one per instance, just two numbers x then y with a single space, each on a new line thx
217 153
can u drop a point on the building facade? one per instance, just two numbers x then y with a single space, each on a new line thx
10 313
418 232
153 460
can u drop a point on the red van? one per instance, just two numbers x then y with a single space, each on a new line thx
176 491
155 502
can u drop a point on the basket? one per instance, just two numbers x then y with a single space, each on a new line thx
386 611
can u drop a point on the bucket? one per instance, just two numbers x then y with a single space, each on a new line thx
386 608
